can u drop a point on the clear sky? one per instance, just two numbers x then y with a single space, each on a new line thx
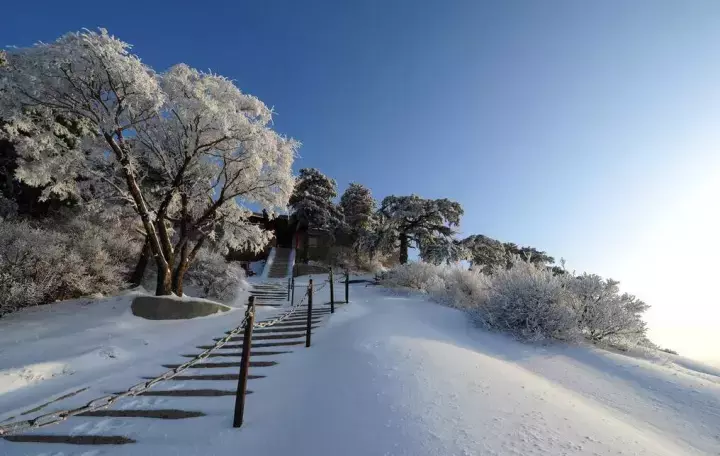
586 129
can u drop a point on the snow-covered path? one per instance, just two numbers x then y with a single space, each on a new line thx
397 375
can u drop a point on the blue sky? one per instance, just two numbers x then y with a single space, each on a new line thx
587 129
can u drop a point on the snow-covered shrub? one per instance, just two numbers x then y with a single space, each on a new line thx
451 285
214 277
54 261
461 288
420 276
529 302
603 312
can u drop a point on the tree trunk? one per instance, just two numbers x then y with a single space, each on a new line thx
179 277
163 268
139 272
186 258
164 282
403 248
181 269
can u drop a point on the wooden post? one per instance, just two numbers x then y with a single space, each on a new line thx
309 314
332 292
347 286
244 364
292 291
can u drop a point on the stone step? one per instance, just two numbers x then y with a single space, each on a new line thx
287 322
71 439
210 377
224 364
258 345
252 353
274 330
269 337
191 393
162 414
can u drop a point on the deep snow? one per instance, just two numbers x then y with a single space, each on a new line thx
395 374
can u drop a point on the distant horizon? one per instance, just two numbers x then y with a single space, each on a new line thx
588 131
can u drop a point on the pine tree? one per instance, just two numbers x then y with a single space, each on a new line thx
411 221
358 206
485 253
312 201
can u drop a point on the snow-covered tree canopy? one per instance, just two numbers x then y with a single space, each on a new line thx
443 249
358 206
186 149
414 221
484 252
312 201
531 254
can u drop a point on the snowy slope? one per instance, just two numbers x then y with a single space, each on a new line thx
53 350
398 375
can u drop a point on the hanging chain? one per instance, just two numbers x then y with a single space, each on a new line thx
106 401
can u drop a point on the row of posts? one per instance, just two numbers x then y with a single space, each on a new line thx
247 336
291 290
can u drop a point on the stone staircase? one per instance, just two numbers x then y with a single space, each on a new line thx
166 399
279 268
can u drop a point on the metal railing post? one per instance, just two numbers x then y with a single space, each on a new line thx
347 286
244 364
292 291
289 279
332 292
309 314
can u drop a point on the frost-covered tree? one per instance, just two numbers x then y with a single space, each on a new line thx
312 201
530 254
358 206
411 221
214 141
443 249
208 143
602 311
485 253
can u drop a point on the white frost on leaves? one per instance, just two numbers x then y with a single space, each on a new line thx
84 112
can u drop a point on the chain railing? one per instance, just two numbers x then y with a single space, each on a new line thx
106 401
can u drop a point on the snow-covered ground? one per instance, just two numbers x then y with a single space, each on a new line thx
395 374
49 351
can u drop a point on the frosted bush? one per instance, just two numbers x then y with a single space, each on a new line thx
604 313
214 277
41 264
451 285
462 288
532 302
413 275
529 302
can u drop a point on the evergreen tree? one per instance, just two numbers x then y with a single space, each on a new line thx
411 221
312 201
484 252
358 206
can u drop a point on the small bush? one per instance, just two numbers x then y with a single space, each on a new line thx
42 263
214 277
603 312
419 276
529 302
